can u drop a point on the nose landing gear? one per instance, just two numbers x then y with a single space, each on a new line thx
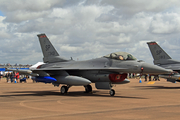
112 92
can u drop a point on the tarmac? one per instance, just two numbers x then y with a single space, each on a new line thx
158 100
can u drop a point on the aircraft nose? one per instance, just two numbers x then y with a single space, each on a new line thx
154 69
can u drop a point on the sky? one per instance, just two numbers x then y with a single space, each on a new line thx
87 29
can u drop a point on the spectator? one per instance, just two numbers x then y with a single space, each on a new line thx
7 76
17 77
12 77
129 75
145 76
133 75
1 74
149 77
156 77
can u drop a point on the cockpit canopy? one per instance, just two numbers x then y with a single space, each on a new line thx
121 56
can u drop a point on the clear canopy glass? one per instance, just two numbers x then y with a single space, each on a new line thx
121 56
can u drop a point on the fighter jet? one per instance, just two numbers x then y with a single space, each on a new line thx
104 71
162 59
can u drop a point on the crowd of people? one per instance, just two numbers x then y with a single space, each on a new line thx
13 77
146 76
156 77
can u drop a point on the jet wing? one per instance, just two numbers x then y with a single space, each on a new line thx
43 71
19 70
23 72
113 69
171 66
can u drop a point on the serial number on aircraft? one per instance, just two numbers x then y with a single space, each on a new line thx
162 57
47 47
158 52
51 53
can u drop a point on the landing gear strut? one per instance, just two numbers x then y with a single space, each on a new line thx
88 88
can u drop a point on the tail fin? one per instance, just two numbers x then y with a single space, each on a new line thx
49 52
157 52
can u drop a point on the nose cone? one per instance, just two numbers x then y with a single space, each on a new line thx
154 69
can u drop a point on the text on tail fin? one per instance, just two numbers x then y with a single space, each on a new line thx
46 46
157 52
49 52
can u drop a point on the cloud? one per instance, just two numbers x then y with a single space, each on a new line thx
165 23
21 16
87 29
132 7
22 10
26 5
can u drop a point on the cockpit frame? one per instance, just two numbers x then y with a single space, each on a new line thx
121 56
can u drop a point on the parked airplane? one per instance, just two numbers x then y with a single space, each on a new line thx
26 71
162 59
104 71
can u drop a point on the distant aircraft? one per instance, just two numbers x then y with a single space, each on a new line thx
104 71
33 67
162 59
26 71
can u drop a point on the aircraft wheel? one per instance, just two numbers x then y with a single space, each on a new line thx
112 92
64 89
88 88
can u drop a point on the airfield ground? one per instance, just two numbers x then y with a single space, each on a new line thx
39 101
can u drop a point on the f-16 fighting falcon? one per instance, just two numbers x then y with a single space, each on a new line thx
104 71
162 59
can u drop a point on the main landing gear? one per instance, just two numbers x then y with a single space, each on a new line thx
64 89
88 89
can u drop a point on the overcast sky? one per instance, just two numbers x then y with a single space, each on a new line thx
86 29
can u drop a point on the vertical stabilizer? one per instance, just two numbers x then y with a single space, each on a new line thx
49 52
159 55
157 52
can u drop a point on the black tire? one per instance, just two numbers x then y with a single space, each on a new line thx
112 92
64 89
88 88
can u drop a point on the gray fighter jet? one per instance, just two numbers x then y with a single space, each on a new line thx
162 59
104 71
